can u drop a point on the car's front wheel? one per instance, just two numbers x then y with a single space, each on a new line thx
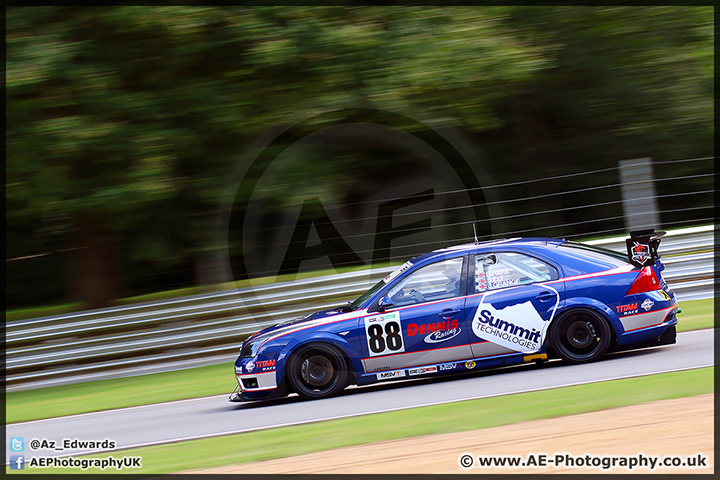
580 336
317 371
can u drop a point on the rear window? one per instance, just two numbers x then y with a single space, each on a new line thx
598 253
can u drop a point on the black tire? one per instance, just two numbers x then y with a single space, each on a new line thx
317 371
580 336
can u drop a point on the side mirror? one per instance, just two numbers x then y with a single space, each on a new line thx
384 303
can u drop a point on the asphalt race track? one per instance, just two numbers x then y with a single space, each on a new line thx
212 416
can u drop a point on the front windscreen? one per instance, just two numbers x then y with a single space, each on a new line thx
362 298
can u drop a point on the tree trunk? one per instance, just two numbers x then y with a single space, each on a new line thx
211 272
95 277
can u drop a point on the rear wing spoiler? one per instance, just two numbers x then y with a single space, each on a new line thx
642 247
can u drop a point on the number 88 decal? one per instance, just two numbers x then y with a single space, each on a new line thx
384 334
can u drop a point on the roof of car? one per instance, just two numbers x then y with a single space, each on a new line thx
468 247
534 241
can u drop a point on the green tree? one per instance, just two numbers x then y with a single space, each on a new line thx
123 123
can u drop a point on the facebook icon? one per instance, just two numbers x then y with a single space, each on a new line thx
17 462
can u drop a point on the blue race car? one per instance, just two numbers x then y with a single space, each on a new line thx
467 307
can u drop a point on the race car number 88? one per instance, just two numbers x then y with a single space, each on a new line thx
378 343
384 334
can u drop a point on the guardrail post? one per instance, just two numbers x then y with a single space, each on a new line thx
638 193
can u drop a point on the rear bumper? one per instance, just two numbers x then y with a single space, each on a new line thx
667 336
663 333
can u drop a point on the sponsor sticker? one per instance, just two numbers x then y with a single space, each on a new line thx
628 309
398 271
640 252
647 304
389 375
470 365
448 366
265 365
435 332
422 370
250 367
446 325
664 294
440 336
518 327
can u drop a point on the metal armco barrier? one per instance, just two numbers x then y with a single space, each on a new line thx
208 329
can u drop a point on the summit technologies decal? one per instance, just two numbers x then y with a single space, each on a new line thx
518 327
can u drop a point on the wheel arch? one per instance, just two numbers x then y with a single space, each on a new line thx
598 307
344 348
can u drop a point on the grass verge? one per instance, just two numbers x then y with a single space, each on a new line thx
119 392
696 315
190 383
447 418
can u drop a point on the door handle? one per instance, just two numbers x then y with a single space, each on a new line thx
545 296
448 312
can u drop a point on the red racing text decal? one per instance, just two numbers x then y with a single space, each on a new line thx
414 328
629 308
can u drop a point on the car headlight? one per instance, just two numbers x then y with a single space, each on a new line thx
250 349
251 346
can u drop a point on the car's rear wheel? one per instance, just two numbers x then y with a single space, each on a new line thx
580 336
317 371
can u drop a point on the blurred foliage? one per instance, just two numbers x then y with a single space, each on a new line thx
123 123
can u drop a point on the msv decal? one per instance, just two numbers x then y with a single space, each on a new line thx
387 375
518 327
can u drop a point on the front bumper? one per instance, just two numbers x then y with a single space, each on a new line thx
238 395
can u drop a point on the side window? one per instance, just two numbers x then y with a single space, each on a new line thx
501 270
436 281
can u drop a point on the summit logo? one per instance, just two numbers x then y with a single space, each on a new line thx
487 318
517 327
